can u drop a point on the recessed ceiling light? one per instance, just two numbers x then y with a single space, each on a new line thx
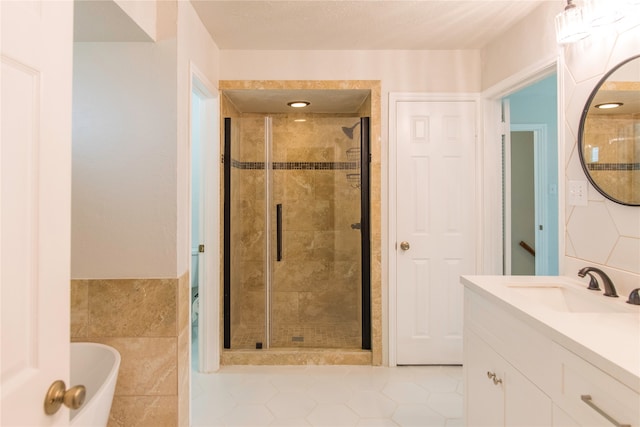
298 104
300 120
608 105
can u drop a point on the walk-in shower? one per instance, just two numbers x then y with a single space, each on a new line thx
297 234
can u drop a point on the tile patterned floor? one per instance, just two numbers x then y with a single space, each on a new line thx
328 396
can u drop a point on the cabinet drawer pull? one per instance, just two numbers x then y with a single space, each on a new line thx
492 376
586 398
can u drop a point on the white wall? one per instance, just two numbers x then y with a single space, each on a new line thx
131 179
196 53
124 181
602 233
529 42
398 71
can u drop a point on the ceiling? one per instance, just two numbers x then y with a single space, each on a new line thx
349 25
321 25
359 24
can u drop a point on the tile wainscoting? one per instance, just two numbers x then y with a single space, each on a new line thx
147 321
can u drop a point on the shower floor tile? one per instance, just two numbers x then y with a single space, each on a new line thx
332 335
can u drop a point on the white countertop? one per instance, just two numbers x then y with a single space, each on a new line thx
608 340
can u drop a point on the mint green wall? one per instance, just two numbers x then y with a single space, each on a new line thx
537 104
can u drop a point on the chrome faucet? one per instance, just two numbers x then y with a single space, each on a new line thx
609 289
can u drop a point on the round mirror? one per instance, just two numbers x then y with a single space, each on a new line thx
609 134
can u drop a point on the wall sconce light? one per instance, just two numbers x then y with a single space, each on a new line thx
576 23
570 24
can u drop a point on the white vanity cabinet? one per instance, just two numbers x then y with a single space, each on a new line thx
502 396
590 396
523 369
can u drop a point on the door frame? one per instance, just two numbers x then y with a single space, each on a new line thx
541 182
394 98
491 231
208 262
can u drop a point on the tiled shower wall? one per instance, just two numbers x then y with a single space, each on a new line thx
316 292
621 180
147 321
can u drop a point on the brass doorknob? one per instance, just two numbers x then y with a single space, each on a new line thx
405 246
57 395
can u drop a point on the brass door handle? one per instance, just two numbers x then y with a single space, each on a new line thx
58 394
405 246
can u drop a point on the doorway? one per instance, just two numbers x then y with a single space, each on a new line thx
205 223
522 236
530 180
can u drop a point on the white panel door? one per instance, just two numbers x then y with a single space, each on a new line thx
435 214
37 43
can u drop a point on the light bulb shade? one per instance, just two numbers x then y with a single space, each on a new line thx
570 26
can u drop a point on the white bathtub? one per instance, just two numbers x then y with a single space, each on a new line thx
96 367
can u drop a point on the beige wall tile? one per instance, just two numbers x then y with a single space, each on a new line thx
284 309
79 309
144 411
149 366
132 307
250 306
184 302
184 367
251 275
291 276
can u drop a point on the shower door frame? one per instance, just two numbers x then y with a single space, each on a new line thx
365 230
365 233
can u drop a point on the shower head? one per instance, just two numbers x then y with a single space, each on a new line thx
349 131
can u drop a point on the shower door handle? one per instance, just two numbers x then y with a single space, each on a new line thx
279 232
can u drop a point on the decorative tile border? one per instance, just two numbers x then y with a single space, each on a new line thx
613 166
297 165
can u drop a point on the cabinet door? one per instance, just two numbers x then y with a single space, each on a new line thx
484 400
525 404
591 396
562 419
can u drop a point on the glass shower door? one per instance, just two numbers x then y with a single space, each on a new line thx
296 223
315 238
245 234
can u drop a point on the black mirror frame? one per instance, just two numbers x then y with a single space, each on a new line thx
583 119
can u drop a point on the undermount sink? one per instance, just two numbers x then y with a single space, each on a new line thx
567 299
